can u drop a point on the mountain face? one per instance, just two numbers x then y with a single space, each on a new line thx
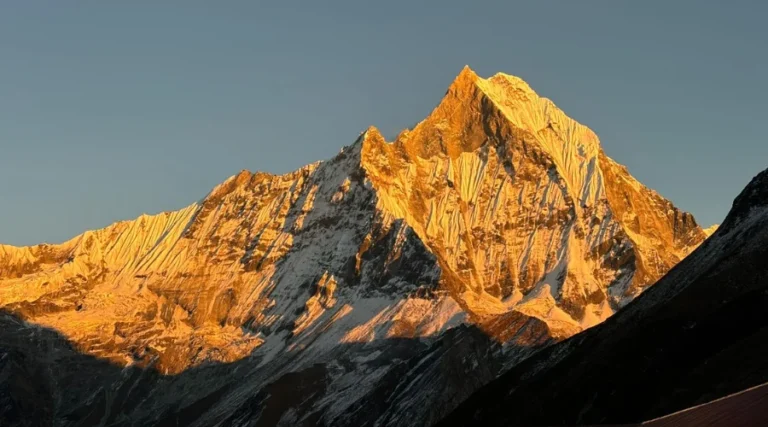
699 334
379 287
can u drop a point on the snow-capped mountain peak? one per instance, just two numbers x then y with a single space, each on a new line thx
496 224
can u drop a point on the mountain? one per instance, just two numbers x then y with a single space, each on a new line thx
379 287
699 334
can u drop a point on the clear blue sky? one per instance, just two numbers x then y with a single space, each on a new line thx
112 109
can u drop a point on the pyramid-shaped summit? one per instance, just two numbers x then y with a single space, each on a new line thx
497 219
520 202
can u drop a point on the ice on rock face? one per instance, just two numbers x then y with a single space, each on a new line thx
696 335
497 213
510 193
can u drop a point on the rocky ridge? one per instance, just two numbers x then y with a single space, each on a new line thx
497 222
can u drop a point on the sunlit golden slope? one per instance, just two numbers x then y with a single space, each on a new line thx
497 210
522 207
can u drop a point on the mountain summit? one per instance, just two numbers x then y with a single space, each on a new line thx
523 209
494 227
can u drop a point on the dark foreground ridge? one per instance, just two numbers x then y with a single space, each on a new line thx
699 334
45 381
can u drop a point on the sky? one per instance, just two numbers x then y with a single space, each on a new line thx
113 109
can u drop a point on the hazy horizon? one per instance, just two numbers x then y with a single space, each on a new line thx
113 110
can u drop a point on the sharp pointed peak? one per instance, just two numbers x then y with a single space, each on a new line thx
463 84
372 131
466 70
499 82
466 78
370 137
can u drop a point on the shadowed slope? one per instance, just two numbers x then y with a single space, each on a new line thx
44 380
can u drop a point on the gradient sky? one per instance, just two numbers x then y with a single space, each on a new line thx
112 109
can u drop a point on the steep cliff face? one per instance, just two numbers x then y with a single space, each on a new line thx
523 209
497 212
261 257
697 335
